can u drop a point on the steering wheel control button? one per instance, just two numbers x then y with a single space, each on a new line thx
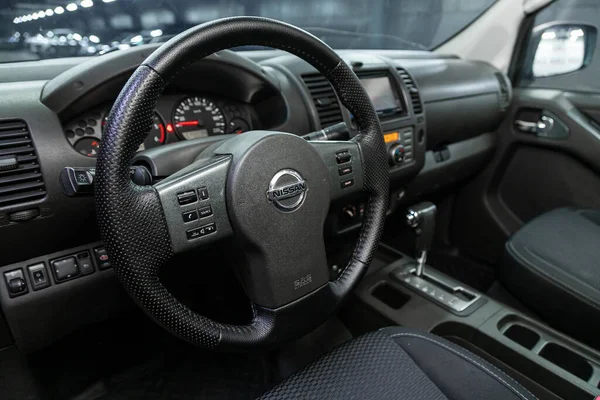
190 216
202 231
345 170
205 211
203 193
347 183
287 190
193 234
102 258
343 157
15 282
65 269
38 276
188 197
85 263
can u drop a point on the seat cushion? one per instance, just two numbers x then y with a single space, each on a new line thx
399 363
552 265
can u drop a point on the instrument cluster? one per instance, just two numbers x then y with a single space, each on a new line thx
176 118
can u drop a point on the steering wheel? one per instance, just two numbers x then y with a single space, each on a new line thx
271 191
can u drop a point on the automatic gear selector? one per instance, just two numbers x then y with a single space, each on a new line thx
421 218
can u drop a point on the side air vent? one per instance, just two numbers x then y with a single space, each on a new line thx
413 90
20 175
504 91
324 98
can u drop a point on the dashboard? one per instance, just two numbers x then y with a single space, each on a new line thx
438 114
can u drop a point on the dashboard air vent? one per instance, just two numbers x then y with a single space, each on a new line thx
504 91
324 98
20 175
413 90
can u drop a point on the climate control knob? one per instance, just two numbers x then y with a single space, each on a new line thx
396 154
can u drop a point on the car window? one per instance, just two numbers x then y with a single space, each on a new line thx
34 29
562 50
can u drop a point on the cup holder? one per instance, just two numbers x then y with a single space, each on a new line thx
390 296
523 336
567 360
565 367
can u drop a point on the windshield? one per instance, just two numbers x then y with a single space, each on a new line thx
39 29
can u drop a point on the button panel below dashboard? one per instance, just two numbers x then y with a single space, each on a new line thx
64 268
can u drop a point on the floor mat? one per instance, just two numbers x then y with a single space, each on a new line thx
191 375
132 358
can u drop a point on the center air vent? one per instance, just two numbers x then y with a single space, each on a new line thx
324 98
413 90
20 175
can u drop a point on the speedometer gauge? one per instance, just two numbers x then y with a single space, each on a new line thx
197 117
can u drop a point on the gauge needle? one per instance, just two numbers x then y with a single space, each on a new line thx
187 123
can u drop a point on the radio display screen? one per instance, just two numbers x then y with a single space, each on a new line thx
382 95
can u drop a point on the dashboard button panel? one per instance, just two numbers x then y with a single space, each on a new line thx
408 141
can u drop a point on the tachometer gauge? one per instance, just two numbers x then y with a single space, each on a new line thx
156 137
197 117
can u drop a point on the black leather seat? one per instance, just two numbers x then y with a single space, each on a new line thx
552 265
398 363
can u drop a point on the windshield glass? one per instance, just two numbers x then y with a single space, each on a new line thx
38 29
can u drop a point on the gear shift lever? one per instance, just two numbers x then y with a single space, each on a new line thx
421 218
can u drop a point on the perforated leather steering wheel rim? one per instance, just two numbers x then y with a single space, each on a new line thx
132 218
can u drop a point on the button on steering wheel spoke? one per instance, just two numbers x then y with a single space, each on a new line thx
193 201
344 163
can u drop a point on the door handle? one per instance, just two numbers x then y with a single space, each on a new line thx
526 126
547 126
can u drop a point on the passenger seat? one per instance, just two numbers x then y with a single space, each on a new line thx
552 265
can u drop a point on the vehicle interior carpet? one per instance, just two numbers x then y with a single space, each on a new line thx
133 358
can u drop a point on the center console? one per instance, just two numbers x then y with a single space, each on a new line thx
407 292
396 99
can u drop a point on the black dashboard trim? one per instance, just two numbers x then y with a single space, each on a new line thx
66 89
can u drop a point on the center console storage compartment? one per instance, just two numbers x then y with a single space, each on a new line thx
563 365
390 296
